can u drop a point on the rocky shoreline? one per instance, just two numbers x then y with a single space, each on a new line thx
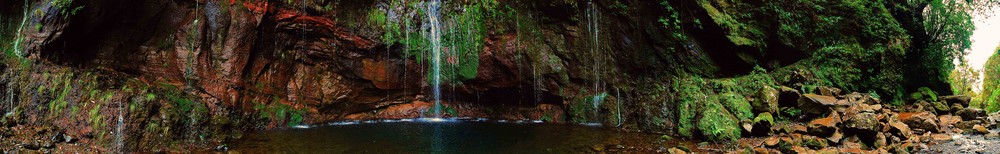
859 123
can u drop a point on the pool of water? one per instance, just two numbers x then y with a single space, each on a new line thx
416 136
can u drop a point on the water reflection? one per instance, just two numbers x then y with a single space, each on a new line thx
442 137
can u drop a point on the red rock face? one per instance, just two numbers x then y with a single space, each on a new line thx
235 55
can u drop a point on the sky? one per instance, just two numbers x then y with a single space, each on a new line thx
985 38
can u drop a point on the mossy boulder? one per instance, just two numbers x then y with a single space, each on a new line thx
717 124
766 101
737 105
690 97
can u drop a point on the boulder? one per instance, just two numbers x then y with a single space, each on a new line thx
956 107
824 126
940 107
947 120
819 104
761 124
979 129
970 113
862 123
828 91
767 100
900 130
857 98
814 142
957 99
920 120
968 124
676 150
788 97
992 136
941 137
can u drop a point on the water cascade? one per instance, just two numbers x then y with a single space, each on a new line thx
593 22
435 38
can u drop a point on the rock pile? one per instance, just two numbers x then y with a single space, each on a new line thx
859 123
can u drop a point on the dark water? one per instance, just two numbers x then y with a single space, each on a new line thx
447 137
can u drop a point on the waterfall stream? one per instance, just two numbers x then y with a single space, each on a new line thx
435 38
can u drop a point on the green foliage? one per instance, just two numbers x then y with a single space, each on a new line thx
989 99
280 112
462 33
789 113
96 121
963 79
65 7
585 109
450 111
673 22
739 30
924 93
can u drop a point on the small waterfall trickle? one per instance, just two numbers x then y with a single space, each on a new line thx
435 38
593 22
119 136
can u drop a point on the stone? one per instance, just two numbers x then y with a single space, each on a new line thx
922 120
789 97
802 150
947 120
761 124
800 129
814 142
824 126
940 107
992 136
941 137
900 129
970 113
828 91
880 140
863 123
69 139
772 141
957 99
836 137
30 146
968 124
767 100
818 104
48 145
676 150
979 129
956 107
852 151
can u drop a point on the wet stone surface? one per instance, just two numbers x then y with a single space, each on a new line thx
965 143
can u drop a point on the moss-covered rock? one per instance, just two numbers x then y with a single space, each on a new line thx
690 97
737 105
766 100
716 123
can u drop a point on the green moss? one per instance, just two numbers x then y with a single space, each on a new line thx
716 123
764 117
737 105
690 96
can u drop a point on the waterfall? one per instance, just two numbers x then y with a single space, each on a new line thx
593 17
120 141
435 38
